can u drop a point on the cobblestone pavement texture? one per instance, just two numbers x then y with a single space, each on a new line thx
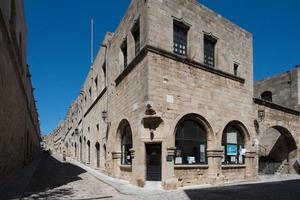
54 179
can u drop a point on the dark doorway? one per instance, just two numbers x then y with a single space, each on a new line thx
153 162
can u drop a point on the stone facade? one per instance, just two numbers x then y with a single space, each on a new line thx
284 88
154 91
19 125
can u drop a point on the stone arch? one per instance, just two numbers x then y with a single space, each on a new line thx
124 141
277 147
267 96
234 141
119 134
97 149
88 143
202 121
196 148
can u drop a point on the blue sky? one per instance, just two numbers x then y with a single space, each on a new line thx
58 50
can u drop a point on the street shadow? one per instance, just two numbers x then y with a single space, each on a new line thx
49 176
267 191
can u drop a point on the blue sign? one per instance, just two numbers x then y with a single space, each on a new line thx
231 149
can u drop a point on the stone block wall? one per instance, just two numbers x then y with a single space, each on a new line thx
19 125
284 88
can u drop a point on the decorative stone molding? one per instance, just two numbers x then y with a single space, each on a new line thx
215 153
171 151
116 155
250 154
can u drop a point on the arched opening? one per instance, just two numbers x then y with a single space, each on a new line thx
104 151
75 150
233 143
88 152
267 96
191 140
276 151
126 145
97 146
80 149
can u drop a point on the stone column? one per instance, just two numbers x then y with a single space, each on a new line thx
116 156
251 166
170 181
214 158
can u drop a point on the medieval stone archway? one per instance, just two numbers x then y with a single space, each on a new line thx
277 151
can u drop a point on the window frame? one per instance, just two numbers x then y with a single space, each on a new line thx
179 40
267 96
125 147
240 144
199 143
136 34
124 53
209 52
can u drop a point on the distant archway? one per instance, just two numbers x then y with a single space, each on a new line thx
97 146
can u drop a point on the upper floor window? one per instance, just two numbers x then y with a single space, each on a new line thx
124 51
96 82
136 36
267 96
209 50
180 39
90 92
104 69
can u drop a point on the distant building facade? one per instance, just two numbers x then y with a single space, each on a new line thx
19 125
169 98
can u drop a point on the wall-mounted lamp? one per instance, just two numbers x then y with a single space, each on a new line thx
261 114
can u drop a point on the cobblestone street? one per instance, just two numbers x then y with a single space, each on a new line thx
58 180
54 179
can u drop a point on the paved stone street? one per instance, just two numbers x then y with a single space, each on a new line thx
58 180
54 179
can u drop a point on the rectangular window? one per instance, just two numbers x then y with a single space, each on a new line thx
96 82
136 35
124 51
209 51
180 39
90 92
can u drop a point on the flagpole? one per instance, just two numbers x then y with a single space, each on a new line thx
92 41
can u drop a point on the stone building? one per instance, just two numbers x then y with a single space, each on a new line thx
169 98
19 125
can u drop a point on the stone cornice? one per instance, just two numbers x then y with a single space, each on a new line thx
158 51
275 106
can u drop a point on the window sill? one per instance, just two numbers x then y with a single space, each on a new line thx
126 168
199 166
230 166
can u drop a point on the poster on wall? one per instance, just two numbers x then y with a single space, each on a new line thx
231 149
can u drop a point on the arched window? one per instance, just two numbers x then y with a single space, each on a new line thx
97 146
191 143
233 143
267 96
126 145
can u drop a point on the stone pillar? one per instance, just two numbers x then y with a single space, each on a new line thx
251 166
116 156
170 181
214 158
